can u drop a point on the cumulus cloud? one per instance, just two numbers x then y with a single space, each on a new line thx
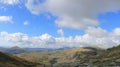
117 31
15 37
6 19
25 23
96 32
76 14
9 2
92 37
61 32
35 6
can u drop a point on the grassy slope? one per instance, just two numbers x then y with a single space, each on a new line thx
111 57
70 55
80 57
7 60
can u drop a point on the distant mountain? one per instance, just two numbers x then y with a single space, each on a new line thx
45 49
18 50
13 50
15 47
7 60
39 49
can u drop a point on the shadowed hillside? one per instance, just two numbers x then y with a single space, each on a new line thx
7 60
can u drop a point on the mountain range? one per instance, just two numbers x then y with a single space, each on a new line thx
18 50
76 57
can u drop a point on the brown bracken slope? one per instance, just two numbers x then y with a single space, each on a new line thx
7 60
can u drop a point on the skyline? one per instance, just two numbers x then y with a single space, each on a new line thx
59 23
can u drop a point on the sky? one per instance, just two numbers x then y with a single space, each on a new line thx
59 23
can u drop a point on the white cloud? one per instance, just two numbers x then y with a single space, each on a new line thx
10 2
15 37
35 6
6 19
96 32
3 33
117 31
92 37
61 32
25 23
76 14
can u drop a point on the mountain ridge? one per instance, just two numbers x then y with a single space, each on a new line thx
109 58
18 50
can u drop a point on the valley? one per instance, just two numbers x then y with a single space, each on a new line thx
75 57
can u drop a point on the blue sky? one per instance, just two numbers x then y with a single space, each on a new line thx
58 20
110 20
37 24
44 23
